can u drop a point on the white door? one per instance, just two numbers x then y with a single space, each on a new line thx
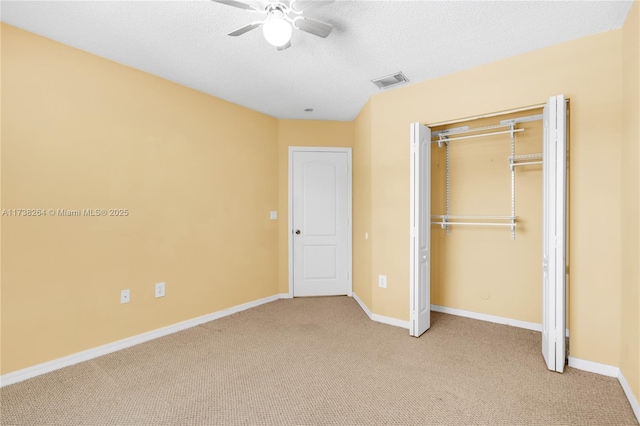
420 309
554 212
320 219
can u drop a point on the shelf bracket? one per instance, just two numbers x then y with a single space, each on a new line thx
442 139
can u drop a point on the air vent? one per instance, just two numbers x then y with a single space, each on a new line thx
390 80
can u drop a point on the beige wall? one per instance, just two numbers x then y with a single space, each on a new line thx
198 175
630 192
301 133
588 72
362 281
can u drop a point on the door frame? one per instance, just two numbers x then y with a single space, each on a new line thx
293 149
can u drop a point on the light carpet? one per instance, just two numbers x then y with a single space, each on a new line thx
321 361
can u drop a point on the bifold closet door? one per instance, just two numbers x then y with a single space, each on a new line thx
420 300
554 213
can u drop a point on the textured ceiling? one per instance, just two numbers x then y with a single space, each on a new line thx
186 42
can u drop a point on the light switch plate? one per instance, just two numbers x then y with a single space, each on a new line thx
273 215
382 281
159 290
125 296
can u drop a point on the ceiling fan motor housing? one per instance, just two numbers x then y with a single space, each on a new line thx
279 24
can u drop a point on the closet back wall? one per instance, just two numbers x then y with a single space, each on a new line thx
477 268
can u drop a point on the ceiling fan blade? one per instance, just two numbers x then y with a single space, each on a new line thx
238 4
286 46
302 5
312 26
245 29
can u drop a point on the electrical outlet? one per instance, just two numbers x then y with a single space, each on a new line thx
382 281
159 289
125 296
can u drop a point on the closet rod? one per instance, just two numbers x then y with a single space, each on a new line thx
530 159
466 129
528 163
475 217
472 223
477 136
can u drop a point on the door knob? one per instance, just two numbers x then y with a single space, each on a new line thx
297 232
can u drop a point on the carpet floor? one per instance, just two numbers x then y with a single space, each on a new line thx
321 361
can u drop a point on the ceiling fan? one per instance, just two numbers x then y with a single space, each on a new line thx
281 17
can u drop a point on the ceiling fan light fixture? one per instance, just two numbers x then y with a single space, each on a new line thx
276 29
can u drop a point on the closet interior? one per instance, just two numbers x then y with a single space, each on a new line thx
486 215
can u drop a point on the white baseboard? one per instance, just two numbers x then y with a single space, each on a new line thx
391 321
635 406
594 367
362 305
490 318
46 367
380 318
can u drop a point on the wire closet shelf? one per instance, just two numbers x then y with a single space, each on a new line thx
444 138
